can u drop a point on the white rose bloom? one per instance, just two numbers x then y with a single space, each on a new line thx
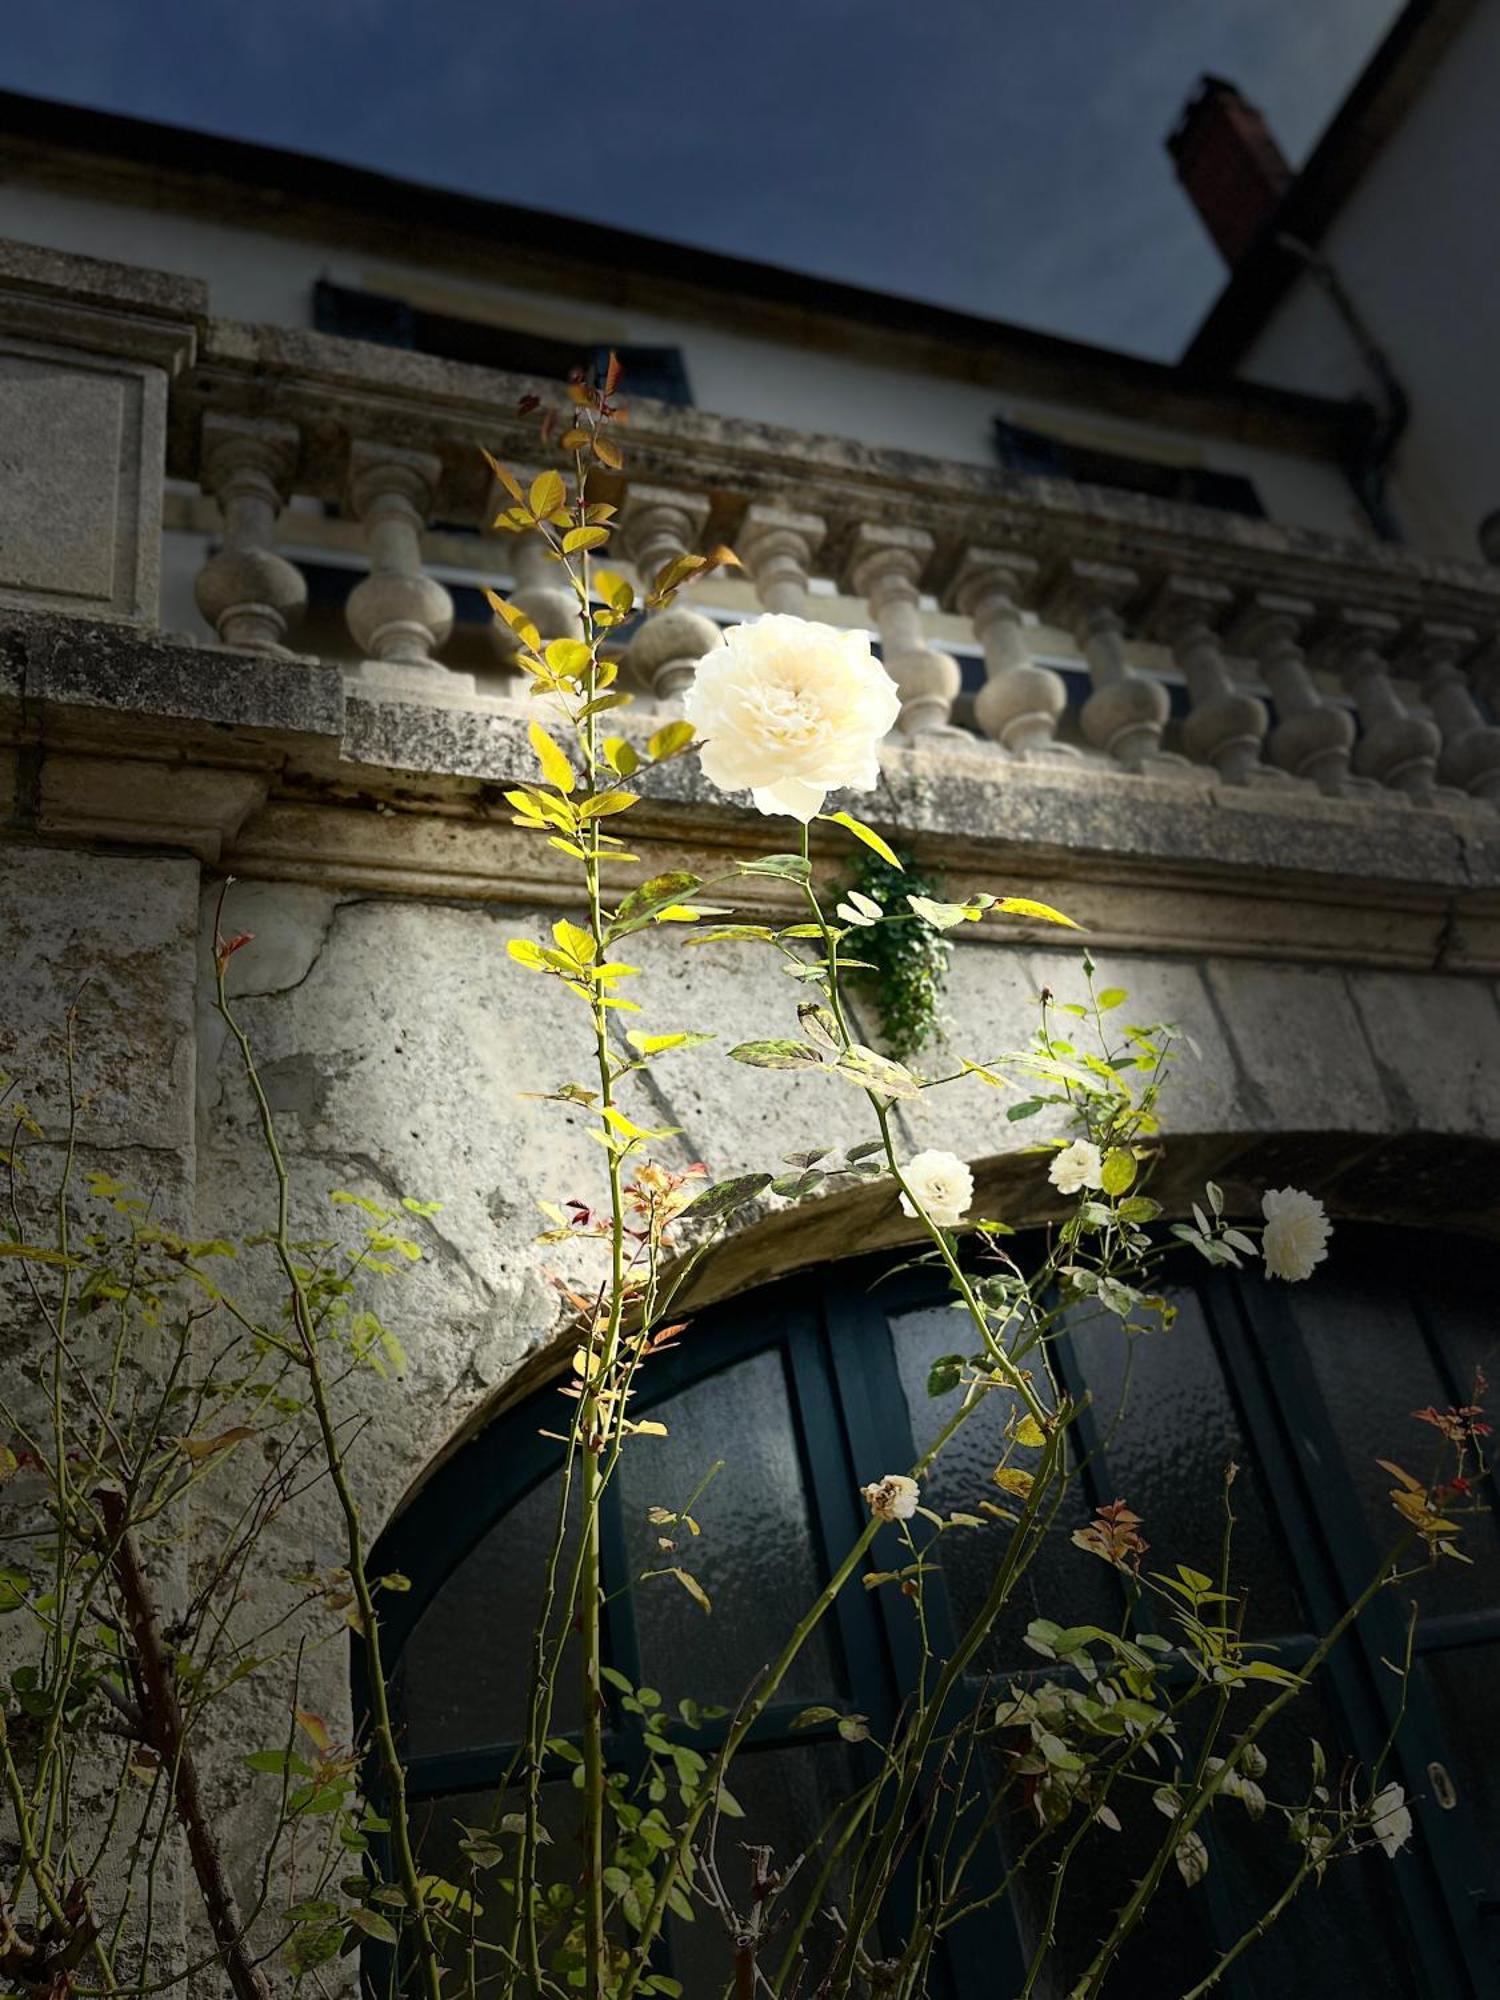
1296 1234
893 1498
943 1185
789 711
1390 1819
1077 1166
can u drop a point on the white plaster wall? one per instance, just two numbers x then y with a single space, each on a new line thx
1418 247
257 276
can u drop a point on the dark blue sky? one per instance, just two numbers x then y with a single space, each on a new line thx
1000 155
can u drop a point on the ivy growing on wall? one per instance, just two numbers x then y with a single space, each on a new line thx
908 974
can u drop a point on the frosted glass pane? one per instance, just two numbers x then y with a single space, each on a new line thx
466 1668
755 1557
1339 1937
1374 1368
1170 1427
1464 1684
788 1796
1060 1582
439 1825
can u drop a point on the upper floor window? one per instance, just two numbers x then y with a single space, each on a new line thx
815 1385
395 322
1023 450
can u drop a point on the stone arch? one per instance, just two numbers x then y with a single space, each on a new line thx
1414 1180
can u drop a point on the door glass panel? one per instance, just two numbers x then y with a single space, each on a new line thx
791 1799
756 1556
1169 1427
1097 1884
1340 1935
1060 1582
439 1826
1374 1369
466 1667
1463 1683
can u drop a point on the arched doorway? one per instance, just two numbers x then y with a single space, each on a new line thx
819 1383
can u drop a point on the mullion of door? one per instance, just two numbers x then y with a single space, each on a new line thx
873 1402
1333 1559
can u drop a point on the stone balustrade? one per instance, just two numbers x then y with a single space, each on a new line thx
1031 622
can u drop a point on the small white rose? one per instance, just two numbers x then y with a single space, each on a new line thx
1296 1233
893 1498
790 710
1390 1819
942 1184
1076 1167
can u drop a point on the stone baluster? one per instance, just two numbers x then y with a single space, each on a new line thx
247 592
1019 705
1312 738
1470 758
1126 711
1225 727
1396 748
398 615
778 548
884 567
657 526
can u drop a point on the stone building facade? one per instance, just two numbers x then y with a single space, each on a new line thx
1254 755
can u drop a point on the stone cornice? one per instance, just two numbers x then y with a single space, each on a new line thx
276 768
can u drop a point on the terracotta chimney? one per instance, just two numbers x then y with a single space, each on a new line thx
1232 168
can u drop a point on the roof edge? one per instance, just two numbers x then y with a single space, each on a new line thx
801 308
1374 108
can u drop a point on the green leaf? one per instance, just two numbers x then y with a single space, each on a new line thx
789 867
864 833
373 1924
1118 1170
872 1071
945 1374
777 1055
727 1196
810 1718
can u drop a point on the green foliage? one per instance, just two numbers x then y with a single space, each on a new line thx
907 973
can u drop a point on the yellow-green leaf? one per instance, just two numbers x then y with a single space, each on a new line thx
575 941
1118 1170
547 493
568 656
1023 906
507 479
864 833
555 767
615 591
670 740
584 538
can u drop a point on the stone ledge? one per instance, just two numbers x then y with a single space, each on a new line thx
403 798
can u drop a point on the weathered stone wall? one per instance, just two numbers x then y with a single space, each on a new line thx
1330 964
398 1044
